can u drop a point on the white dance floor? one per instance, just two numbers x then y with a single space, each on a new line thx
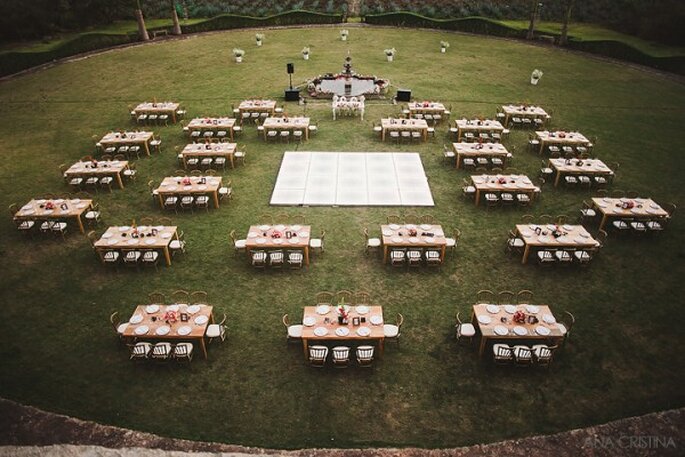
351 179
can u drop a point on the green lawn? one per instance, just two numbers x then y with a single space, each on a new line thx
59 352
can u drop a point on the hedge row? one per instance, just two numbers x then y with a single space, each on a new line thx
479 25
16 61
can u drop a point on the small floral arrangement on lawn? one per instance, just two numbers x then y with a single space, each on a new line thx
390 53
305 53
535 76
259 37
238 54
344 34
444 45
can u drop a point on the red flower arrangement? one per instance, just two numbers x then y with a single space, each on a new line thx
276 234
170 317
519 317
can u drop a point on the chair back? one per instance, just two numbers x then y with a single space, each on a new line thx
341 355
317 355
361 298
198 297
485 296
343 296
114 320
156 298
324 298
180 296
506 297
524 296
365 355
286 321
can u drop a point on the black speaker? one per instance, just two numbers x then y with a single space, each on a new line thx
292 95
403 95
291 68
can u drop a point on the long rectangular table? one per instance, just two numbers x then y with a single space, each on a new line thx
39 209
578 167
200 150
400 236
474 150
113 168
257 106
527 111
168 108
400 125
426 108
574 236
325 317
198 185
261 237
287 123
149 324
117 139
560 138
121 238
212 124
643 209
477 126
515 184
498 324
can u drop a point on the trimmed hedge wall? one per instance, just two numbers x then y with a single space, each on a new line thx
16 61
479 25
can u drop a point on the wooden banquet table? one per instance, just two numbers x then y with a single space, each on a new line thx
147 323
120 238
261 237
560 138
515 184
168 108
257 106
400 125
643 209
39 209
195 185
474 150
426 108
200 150
491 326
320 324
117 139
476 126
212 124
574 236
398 236
578 167
527 111
287 123
87 169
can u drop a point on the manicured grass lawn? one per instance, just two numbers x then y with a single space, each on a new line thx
59 352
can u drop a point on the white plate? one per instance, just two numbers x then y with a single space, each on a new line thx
396 239
142 228
136 319
320 331
260 241
540 330
278 240
426 226
192 309
394 226
413 239
172 188
654 206
112 242
551 226
303 234
323 309
202 187
532 309
201 320
150 309
548 318
376 319
141 330
106 235
173 308
309 321
185 330
28 211
501 330
163 330
342 331
387 232
510 309
47 211
520 331
362 309
492 309
410 226
132 241
264 227
75 200
279 227
567 227
363 331
585 234
124 228
485 320
40 201
295 227
252 235
294 240
150 241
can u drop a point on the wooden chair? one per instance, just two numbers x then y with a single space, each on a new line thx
183 352
524 297
118 326
324 298
265 219
506 297
344 296
341 356
362 298
293 332
465 331
238 245
156 298
543 354
198 297
394 219
502 354
523 356
485 296
427 219
215 331
451 243
180 297
411 219
298 219
371 243
365 356
566 324
392 332
165 221
317 243
318 356
281 218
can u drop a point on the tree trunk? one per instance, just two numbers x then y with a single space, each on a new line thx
142 31
533 17
563 38
174 16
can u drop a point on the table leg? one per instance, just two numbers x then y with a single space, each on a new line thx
604 221
381 346
120 181
385 254
146 146
306 255
542 147
216 199
305 347
203 346
526 253
458 160
167 255
80 223
443 253
558 177
477 196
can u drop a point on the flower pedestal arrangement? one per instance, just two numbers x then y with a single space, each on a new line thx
305 53
343 314
238 54
390 54
259 37
443 46
343 34
535 77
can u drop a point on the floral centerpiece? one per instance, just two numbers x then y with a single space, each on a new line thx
305 53
444 45
519 317
343 313
170 317
390 54
343 34
260 38
238 54
535 76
